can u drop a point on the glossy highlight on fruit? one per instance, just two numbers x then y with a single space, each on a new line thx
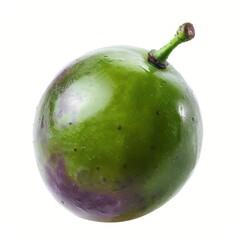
118 132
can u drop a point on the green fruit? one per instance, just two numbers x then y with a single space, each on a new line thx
118 132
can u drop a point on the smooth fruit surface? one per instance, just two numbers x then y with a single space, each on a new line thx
115 137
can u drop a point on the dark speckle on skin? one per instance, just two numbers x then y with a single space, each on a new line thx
117 182
152 147
70 123
138 198
96 205
103 180
42 122
176 158
75 150
143 208
129 180
119 127
157 112
153 197
97 168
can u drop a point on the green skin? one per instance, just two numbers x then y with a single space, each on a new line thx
116 137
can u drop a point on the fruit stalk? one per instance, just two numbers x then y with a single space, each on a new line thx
159 57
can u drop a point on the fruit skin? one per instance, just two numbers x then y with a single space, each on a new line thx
114 136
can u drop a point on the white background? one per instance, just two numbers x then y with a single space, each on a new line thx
38 38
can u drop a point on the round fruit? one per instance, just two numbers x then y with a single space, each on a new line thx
118 132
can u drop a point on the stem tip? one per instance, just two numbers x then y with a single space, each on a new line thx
188 30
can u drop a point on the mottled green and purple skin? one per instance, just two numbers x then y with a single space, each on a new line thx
116 137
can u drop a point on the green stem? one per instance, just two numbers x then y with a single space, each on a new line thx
159 57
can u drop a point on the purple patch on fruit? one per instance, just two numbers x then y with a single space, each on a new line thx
60 75
92 205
